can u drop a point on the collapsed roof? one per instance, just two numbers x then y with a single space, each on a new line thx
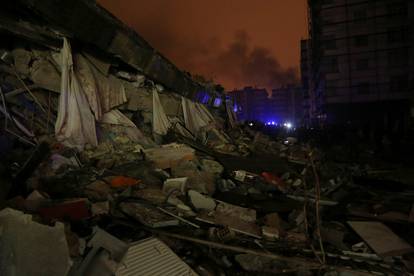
46 22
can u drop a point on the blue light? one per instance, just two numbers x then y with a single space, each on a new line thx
217 102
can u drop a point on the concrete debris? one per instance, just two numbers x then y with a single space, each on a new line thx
98 191
30 248
175 184
238 219
148 215
380 238
259 264
109 133
270 233
212 166
100 208
143 256
168 156
201 202
106 251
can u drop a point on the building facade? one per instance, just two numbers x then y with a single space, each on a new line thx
254 104
250 103
286 104
357 65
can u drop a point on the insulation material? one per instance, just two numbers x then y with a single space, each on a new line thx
122 124
160 122
196 115
103 93
152 257
138 98
115 117
75 124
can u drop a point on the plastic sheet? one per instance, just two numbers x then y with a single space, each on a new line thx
75 124
160 121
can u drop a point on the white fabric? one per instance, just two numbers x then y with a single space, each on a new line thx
122 124
103 92
196 115
75 124
116 117
160 121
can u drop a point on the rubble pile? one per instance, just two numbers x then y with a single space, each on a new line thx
107 171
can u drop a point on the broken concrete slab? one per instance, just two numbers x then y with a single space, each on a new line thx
381 238
98 191
212 166
106 251
199 180
30 248
177 184
201 202
168 156
239 219
148 215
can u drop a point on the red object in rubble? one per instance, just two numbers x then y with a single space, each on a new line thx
274 180
71 210
124 181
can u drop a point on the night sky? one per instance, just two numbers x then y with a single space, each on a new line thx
234 42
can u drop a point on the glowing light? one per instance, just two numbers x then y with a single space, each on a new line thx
288 125
250 124
217 102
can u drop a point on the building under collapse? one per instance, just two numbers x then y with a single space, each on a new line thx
76 75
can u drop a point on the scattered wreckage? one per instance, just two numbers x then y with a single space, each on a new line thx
109 172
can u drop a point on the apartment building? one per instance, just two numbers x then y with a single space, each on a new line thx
358 62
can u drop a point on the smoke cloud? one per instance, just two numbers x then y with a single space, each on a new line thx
210 49
241 64
235 65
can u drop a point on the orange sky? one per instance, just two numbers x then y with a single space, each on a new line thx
235 42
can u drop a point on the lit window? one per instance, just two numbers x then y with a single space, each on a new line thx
217 102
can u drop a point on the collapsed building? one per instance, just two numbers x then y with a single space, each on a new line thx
78 75
115 162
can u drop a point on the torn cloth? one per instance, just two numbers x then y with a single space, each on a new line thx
122 124
103 92
75 124
196 116
160 121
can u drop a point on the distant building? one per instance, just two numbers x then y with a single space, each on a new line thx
358 64
254 104
285 104
307 109
250 103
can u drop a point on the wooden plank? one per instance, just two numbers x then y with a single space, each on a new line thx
380 238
